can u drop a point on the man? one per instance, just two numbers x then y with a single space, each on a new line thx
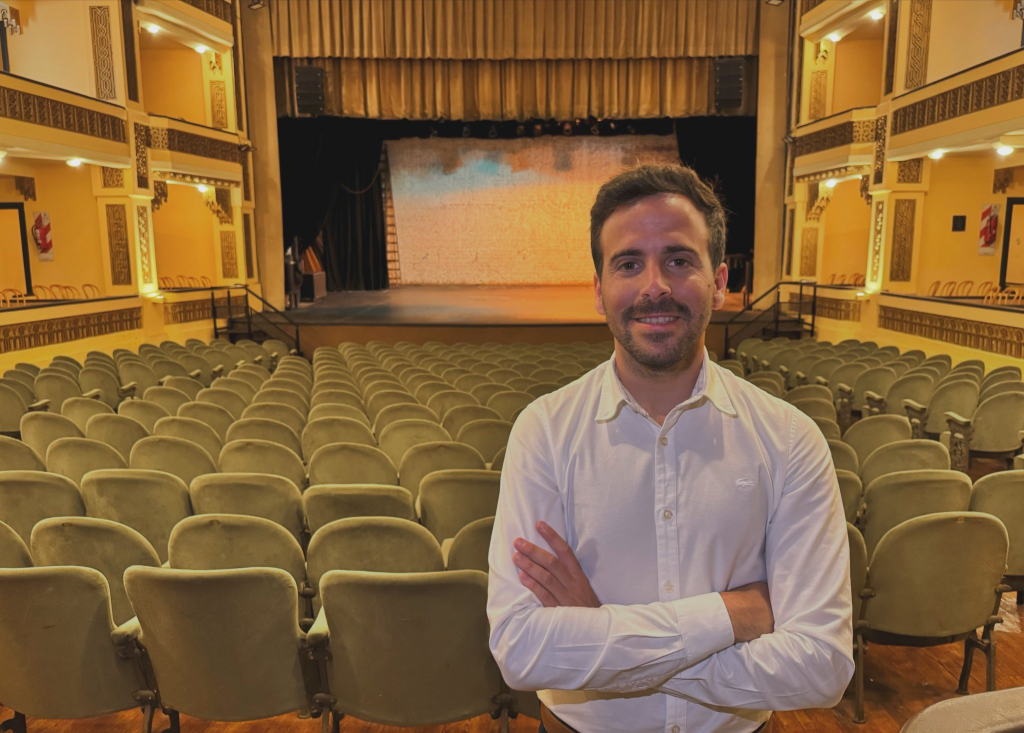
669 552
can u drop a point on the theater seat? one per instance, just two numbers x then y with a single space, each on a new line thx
28 497
263 456
351 463
325 503
274 498
449 500
176 456
468 549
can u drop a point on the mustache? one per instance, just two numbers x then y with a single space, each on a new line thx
647 308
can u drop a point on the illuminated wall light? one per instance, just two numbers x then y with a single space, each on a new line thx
877 14
3 154
1004 150
74 162
935 154
835 37
831 183
201 49
153 28
860 294
202 189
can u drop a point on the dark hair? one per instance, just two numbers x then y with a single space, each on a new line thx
650 180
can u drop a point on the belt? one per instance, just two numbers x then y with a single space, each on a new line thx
553 725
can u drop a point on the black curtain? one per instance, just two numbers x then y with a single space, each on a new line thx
331 188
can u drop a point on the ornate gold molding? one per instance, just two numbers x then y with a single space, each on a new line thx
145 256
819 89
809 5
990 91
219 104
188 311
842 172
159 194
877 238
228 255
32 335
117 239
188 178
26 186
192 143
1002 180
112 177
820 204
37 110
845 133
220 9
865 189
879 136
142 143
991 337
809 252
917 43
218 201
102 51
902 239
790 239
890 47
835 309
910 171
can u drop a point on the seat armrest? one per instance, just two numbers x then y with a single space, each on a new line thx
319 635
162 381
92 394
127 632
218 370
868 394
195 374
307 591
821 380
258 359
293 352
239 363
127 391
909 404
918 415
39 406
959 420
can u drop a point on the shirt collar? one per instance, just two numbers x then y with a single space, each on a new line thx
709 385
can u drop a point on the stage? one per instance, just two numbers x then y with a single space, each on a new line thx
473 314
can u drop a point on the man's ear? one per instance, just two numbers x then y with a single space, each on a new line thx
598 301
721 282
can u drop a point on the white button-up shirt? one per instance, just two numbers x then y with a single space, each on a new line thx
736 487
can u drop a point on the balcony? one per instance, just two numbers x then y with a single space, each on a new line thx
183 151
821 19
843 144
208 23
40 121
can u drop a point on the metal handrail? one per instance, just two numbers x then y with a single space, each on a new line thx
250 312
773 311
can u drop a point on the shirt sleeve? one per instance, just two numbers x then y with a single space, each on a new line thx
616 648
807 661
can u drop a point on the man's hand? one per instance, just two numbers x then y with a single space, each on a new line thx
556 580
750 611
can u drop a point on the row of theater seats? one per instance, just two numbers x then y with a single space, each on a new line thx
396 511
918 529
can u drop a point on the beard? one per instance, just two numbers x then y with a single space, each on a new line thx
665 351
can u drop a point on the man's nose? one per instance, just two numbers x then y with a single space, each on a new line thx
657 284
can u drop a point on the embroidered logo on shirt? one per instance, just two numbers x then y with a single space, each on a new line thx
744 483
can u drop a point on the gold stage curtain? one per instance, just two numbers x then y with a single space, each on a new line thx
499 30
511 90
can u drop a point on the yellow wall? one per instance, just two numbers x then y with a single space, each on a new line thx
847 221
66 193
967 32
12 268
54 46
183 235
172 84
960 184
858 74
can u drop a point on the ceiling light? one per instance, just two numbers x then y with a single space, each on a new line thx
1004 150
860 294
935 154
877 14
74 162
3 154
255 4
201 49
153 28
773 2
835 37
202 189
831 183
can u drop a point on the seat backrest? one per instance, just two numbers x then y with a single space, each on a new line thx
351 463
877 379
285 414
851 489
998 422
196 431
509 403
145 413
40 429
193 363
904 455
457 417
27 497
281 396
327 502
45 612
858 567
437 624
844 457
451 499
199 627
135 371
259 428
100 544
176 456
917 387
239 386
230 401
470 547
816 408
271 497
445 400
167 397
956 558
402 411
846 374
372 544
487 436
18 456
379 401
262 456
211 541
425 458
14 552
215 416
896 497
185 385
864 436
150 502
1001 494
75 457
808 392
959 396
353 413
327 430
80 409
56 387
399 437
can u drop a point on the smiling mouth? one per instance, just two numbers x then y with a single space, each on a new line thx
658 320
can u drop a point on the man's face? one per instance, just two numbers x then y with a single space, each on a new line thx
657 288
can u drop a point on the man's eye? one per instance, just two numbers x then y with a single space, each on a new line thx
628 265
679 261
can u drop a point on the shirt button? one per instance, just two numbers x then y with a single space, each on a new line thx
675 729
667 514
664 440
669 587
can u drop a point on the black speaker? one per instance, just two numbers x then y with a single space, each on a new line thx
729 80
309 90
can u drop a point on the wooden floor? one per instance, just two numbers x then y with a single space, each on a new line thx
900 681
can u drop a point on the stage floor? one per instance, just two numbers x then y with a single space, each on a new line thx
426 305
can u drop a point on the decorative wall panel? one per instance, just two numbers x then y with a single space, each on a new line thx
877 239
33 108
846 133
790 239
228 255
112 177
220 9
219 104
890 48
902 239
194 144
973 334
879 172
188 311
142 155
837 309
21 336
910 171
145 254
809 252
247 239
117 240
917 43
990 91
102 51
819 90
